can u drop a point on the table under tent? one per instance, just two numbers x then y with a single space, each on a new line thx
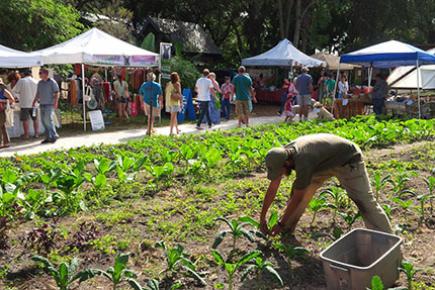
12 59
404 81
390 54
97 48
283 55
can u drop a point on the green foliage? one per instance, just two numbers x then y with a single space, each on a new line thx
376 283
178 261
187 71
316 205
119 273
259 266
36 24
66 274
409 270
149 42
236 229
159 161
232 267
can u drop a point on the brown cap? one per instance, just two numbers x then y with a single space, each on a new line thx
275 160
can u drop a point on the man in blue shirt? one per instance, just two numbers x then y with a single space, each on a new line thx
243 85
304 85
152 95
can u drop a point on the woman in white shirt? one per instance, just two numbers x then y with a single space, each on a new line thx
343 87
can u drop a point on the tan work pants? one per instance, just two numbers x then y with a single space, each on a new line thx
354 178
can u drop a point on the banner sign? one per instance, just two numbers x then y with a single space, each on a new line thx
165 59
119 60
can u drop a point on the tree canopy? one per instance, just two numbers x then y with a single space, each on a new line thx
239 28
36 24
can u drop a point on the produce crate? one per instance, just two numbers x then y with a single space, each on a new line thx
351 261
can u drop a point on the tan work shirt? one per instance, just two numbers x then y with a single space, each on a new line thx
319 152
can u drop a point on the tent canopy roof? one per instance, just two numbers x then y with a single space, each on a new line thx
283 54
332 61
96 47
11 58
405 77
388 54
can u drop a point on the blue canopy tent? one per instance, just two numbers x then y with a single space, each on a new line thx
389 54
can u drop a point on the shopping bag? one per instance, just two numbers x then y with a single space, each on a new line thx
133 109
9 116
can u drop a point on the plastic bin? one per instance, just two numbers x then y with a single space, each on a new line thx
351 261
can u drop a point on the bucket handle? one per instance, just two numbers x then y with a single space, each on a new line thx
338 268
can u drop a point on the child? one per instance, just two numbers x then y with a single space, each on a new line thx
288 110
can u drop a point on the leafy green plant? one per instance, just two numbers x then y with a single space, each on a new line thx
315 206
339 198
376 283
236 230
66 274
409 270
177 261
232 267
291 251
119 274
380 182
388 209
350 217
260 266
430 183
271 222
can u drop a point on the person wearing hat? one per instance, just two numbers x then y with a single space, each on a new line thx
5 97
47 94
25 91
304 85
315 158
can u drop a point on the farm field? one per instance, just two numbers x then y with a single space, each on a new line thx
162 200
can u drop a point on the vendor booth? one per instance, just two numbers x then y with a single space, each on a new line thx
390 54
11 58
97 48
285 55
331 61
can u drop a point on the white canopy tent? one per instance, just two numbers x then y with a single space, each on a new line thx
405 77
284 54
390 54
11 58
97 48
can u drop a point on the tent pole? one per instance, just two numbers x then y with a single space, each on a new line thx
83 97
370 76
335 89
418 89
105 74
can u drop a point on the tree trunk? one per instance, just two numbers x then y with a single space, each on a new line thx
298 22
281 19
284 13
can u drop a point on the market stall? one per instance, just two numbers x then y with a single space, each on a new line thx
97 48
11 58
391 54
285 55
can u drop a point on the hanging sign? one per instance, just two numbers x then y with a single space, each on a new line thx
165 59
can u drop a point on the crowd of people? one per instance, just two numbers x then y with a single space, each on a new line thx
297 99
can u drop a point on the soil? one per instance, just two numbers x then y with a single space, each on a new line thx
305 272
